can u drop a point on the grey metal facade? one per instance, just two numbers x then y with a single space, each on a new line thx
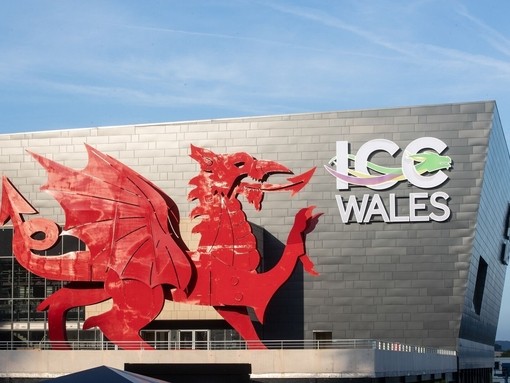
411 282
491 233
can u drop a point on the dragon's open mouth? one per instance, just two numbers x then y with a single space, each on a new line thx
295 184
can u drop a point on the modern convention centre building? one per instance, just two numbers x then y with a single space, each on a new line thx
410 251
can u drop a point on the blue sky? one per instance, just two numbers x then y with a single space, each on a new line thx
72 64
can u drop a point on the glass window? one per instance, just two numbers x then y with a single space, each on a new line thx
6 242
5 310
20 337
194 339
38 287
481 274
185 340
20 281
77 313
35 315
20 310
6 277
201 339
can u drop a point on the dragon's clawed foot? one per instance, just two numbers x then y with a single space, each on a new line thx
305 221
308 265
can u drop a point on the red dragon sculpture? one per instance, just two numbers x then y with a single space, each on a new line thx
135 254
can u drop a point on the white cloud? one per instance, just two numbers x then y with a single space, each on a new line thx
493 37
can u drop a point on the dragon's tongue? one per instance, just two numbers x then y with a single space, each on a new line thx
255 192
296 183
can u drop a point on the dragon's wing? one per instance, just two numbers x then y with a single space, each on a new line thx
122 217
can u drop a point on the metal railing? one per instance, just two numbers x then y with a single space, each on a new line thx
226 345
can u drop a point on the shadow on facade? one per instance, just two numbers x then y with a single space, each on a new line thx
285 312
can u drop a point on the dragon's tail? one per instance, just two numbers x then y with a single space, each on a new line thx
72 266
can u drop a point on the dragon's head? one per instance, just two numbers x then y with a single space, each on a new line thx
226 172
431 161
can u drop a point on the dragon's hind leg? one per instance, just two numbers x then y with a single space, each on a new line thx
74 294
134 306
239 319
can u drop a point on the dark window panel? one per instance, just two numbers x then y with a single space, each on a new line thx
5 278
5 242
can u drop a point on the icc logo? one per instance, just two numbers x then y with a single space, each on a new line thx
419 166
422 165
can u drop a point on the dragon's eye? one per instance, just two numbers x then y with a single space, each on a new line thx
206 164
239 164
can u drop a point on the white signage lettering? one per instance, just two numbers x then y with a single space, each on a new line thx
422 165
372 207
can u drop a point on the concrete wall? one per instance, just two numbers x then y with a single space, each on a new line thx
265 363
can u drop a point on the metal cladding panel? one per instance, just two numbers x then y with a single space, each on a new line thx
487 269
406 282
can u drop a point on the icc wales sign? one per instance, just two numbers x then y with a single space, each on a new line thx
421 165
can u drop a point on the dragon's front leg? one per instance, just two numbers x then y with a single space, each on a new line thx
304 223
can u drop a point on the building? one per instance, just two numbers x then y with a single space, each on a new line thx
412 246
501 367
